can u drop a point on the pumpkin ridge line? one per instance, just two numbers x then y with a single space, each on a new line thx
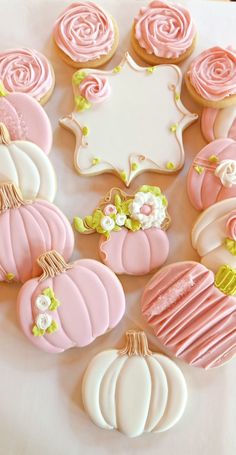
11 243
99 395
31 163
28 209
42 217
155 359
9 152
49 207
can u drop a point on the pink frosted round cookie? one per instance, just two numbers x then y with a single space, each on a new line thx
28 229
218 123
193 313
25 119
70 304
27 71
133 239
212 175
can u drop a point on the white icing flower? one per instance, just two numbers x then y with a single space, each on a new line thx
107 223
110 209
43 321
43 302
120 219
148 209
226 171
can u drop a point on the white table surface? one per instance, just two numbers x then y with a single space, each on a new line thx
41 410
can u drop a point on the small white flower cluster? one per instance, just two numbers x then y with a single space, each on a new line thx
148 209
43 319
108 223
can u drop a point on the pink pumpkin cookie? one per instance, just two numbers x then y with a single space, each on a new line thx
70 304
133 240
212 175
193 313
27 71
25 119
218 123
28 229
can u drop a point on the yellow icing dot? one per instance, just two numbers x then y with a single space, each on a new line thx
199 169
95 161
85 131
174 127
10 276
170 165
213 159
134 166
177 96
117 69
151 69
123 176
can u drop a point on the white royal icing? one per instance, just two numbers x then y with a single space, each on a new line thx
43 321
43 302
157 214
226 171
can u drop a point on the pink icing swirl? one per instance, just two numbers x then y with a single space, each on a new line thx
84 32
26 71
164 29
95 88
213 73
231 225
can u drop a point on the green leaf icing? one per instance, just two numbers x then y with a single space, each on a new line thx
117 69
85 131
170 165
3 91
95 161
78 77
151 69
173 128
123 176
10 276
150 189
37 332
199 169
81 104
53 327
54 301
177 96
213 159
133 225
79 225
134 166
230 245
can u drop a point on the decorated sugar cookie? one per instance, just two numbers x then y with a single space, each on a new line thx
69 304
116 133
133 239
214 235
218 123
163 32
25 119
85 35
27 71
211 78
26 165
133 390
28 229
193 313
212 175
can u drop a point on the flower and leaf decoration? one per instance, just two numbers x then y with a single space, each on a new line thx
145 209
230 240
44 322
89 89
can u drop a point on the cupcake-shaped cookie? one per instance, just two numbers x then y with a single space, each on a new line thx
85 35
163 32
27 71
211 78
133 239
218 123
212 175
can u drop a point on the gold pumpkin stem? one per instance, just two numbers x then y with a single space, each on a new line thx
4 134
136 344
10 197
52 264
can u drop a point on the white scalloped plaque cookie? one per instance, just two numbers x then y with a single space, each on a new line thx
128 120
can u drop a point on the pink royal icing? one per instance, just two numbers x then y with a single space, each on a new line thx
215 123
84 32
95 88
26 71
195 322
213 73
231 225
25 119
164 29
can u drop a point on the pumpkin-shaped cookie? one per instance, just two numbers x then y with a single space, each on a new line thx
218 123
28 229
134 390
133 239
193 313
69 304
25 119
212 175
26 165
214 235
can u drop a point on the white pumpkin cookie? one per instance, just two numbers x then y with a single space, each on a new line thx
26 165
134 390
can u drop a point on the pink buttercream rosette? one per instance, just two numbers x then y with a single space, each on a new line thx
213 73
95 88
164 29
84 32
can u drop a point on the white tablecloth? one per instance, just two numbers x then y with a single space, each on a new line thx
40 395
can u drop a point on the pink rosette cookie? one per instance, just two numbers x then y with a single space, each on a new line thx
211 78
218 123
163 32
27 71
133 239
95 88
27 230
193 312
69 305
212 175
85 35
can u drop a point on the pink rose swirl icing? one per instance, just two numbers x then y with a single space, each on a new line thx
231 225
26 71
213 73
84 32
95 88
164 29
